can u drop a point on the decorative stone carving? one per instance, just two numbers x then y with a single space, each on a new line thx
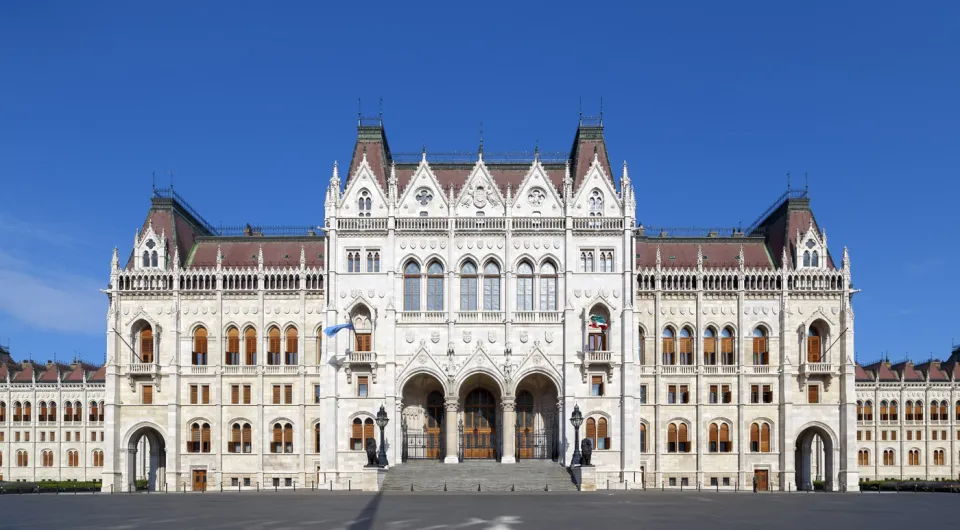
467 336
492 336
435 337
524 337
411 336
548 336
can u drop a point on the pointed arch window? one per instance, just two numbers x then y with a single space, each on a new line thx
435 287
669 347
643 437
146 258
806 258
596 203
154 262
95 412
364 203
199 357
815 259
727 357
761 352
3 411
863 457
686 346
868 411
913 457
98 458
677 438
709 347
491 286
23 459
250 345
411 287
146 344
316 438
888 457
293 347
548 287
47 458
273 345
894 410
524 287
814 355
233 346
468 287
373 261
719 441
586 261
77 411
760 437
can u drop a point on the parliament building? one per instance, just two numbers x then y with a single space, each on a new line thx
478 298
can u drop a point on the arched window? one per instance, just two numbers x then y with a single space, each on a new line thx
293 347
863 457
411 287
23 460
205 438
373 261
642 346
859 410
247 437
360 432
47 458
815 260
643 438
491 287
363 203
894 410
435 287
814 355
199 357
709 347
918 411
726 347
888 457
3 411
67 411
669 347
524 287
806 258
468 287
908 411
591 432
43 412
760 437
146 258
957 409
586 261
94 411
943 411
884 411
938 457
250 345
913 457
233 346
146 344
548 287
761 351
236 437
193 442
77 411
316 438
279 432
596 203
287 438
273 345
153 259
17 411
868 411
28 411
98 458
686 346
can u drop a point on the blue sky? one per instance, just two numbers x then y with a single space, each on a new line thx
711 103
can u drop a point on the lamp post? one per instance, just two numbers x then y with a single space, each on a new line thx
577 420
382 421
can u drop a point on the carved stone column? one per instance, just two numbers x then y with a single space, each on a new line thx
451 420
509 430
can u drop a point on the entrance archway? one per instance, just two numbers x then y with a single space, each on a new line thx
537 424
152 454
813 459
423 419
481 421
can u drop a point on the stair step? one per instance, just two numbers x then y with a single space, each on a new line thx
429 475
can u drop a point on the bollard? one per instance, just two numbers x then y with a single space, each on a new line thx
478 487
718 486
514 487
221 486
663 485
411 486
444 485
698 487
258 486
238 486
546 487
276 486
294 486
681 486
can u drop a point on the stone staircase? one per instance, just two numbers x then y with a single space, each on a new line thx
478 475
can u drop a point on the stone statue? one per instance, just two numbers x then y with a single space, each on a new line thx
586 451
371 452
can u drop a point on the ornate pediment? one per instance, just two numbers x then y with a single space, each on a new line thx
480 358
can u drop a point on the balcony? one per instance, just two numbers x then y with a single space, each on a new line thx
285 369
538 317
720 370
479 224
816 368
480 316
592 359
598 224
681 369
538 224
423 317
362 224
200 370
237 369
144 369
599 357
759 369
358 359
423 224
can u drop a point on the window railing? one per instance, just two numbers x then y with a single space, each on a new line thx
480 316
719 370
598 223
538 223
199 370
538 316
470 224
758 369
679 369
816 368
422 223
280 369
244 369
599 356
433 317
143 368
362 357
362 223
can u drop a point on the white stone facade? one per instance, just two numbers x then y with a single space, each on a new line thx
483 288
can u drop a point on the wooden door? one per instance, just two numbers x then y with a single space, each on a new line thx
597 342
480 425
763 479
434 424
199 480
363 342
525 425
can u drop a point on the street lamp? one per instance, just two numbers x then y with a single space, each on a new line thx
382 421
577 420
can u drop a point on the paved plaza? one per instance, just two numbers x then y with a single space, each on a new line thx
500 511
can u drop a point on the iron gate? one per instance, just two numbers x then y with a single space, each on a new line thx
539 445
422 445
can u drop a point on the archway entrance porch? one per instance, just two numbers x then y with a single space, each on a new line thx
814 459
154 460
537 425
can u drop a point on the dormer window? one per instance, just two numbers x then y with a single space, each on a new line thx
811 248
151 248
364 203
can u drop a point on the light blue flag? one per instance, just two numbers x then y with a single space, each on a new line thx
332 330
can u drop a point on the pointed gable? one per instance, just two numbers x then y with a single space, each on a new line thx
588 142
781 222
170 215
862 375
422 192
882 372
26 373
908 372
537 193
480 194
372 145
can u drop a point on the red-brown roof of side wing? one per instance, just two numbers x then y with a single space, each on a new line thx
863 375
780 226
456 175
908 372
933 371
717 254
177 221
883 372
243 251
98 376
372 143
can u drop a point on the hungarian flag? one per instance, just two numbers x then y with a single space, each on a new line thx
597 321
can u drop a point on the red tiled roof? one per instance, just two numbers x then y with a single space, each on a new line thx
456 175
243 252
861 374
933 369
99 376
4 371
716 254
25 375
780 229
882 371
50 373
908 372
